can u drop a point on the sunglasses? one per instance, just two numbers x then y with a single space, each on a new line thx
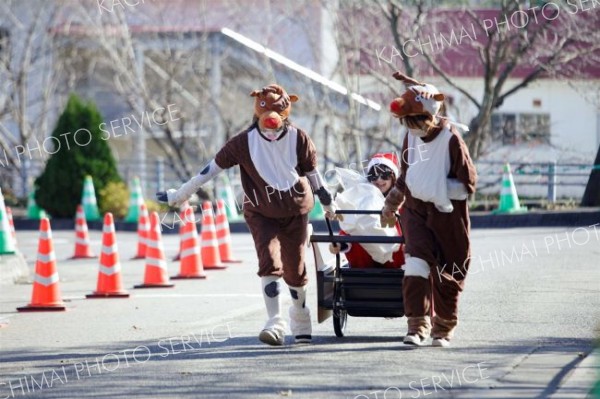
383 176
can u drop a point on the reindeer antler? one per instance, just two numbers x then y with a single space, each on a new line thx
407 80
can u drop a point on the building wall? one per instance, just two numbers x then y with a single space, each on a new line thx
574 129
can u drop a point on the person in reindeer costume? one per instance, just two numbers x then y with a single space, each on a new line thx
278 164
436 177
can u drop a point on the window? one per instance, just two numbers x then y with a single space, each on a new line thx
511 128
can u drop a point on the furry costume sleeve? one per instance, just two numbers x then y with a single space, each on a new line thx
177 197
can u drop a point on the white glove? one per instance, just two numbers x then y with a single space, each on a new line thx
174 199
330 212
171 197
336 248
177 197
392 202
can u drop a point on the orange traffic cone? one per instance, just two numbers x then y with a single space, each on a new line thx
155 275
210 247
178 256
46 294
82 238
11 223
223 234
191 261
109 274
143 232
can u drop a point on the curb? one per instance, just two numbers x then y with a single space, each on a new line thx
583 377
581 217
13 268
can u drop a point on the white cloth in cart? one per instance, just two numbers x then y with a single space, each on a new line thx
358 194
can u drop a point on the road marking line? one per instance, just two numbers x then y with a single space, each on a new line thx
184 296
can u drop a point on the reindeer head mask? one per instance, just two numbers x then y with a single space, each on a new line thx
420 103
272 106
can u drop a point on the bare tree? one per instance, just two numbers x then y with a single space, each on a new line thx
535 42
198 68
354 127
30 90
149 70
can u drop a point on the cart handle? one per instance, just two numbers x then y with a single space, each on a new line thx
358 212
359 239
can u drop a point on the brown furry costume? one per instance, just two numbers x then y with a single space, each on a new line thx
435 218
278 169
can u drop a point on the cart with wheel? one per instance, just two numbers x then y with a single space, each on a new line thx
343 291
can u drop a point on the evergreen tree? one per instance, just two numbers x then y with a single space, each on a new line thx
83 150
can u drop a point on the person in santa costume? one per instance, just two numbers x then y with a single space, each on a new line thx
382 172
278 165
436 177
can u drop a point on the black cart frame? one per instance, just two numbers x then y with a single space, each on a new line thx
343 291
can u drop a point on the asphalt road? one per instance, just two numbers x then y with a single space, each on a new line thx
529 315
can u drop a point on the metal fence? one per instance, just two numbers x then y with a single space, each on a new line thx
539 181
547 181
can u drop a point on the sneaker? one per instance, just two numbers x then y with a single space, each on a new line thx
303 339
440 342
414 339
271 337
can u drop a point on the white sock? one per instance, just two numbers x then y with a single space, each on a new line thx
271 290
299 313
298 295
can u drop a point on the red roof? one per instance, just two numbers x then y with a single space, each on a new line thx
453 37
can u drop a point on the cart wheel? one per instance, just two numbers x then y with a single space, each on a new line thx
339 322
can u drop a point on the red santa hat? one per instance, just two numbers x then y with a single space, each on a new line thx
388 159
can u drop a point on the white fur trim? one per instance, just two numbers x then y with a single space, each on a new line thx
273 304
416 267
458 125
275 161
426 177
429 104
383 161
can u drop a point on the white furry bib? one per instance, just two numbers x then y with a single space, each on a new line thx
427 173
275 161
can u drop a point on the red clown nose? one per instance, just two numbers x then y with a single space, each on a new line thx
270 123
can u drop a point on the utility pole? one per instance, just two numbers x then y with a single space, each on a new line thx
139 140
